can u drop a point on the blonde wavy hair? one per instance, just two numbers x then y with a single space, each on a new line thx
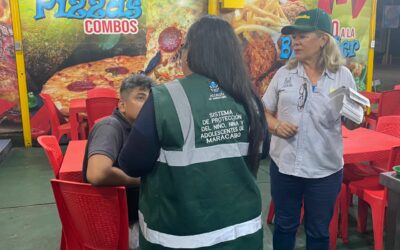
330 59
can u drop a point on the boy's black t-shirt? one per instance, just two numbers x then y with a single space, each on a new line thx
107 138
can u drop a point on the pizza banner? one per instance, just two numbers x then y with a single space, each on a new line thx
351 27
259 23
71 47
10 118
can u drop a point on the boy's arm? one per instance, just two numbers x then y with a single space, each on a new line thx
101 172
142 147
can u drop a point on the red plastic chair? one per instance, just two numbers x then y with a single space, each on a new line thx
100 119
40 123
101 92
352 172
389 104
58 129
53 151
92 218
370 192
389 125
98 107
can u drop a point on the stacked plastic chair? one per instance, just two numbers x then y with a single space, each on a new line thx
101 92
100 103
40 123
369 191
389 104
91 218
358 171
58 129
389 125
53 151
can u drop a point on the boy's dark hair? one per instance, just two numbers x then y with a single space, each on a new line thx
135 81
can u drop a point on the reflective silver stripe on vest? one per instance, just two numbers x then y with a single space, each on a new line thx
200 240
190 154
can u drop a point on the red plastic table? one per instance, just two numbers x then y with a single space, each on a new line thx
363 144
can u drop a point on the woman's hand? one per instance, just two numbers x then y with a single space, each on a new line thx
280 128
285 129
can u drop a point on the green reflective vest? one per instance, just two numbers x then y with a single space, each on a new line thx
200 193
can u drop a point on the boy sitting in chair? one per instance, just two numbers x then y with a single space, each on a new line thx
100 166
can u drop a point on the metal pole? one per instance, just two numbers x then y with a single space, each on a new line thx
372 28
19 58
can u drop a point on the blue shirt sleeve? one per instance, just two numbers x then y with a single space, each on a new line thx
142 147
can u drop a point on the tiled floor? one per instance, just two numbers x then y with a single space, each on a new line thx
29 219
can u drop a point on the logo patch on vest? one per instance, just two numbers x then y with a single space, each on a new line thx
216 92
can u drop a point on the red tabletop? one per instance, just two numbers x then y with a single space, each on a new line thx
346 133
367 145
71 167
75 107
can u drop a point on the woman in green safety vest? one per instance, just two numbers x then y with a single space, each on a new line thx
196 145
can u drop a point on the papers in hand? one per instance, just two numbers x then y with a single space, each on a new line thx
349 103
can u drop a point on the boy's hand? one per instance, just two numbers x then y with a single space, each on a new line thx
133 182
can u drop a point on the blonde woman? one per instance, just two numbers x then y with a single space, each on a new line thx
306 145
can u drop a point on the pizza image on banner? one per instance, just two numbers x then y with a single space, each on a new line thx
167 23
74 82
9 95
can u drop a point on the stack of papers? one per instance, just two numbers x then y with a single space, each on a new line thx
349 103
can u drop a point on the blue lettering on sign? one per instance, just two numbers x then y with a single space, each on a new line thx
286 50
42 5
348 48
96 9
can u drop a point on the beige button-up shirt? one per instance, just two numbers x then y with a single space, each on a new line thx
316 151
